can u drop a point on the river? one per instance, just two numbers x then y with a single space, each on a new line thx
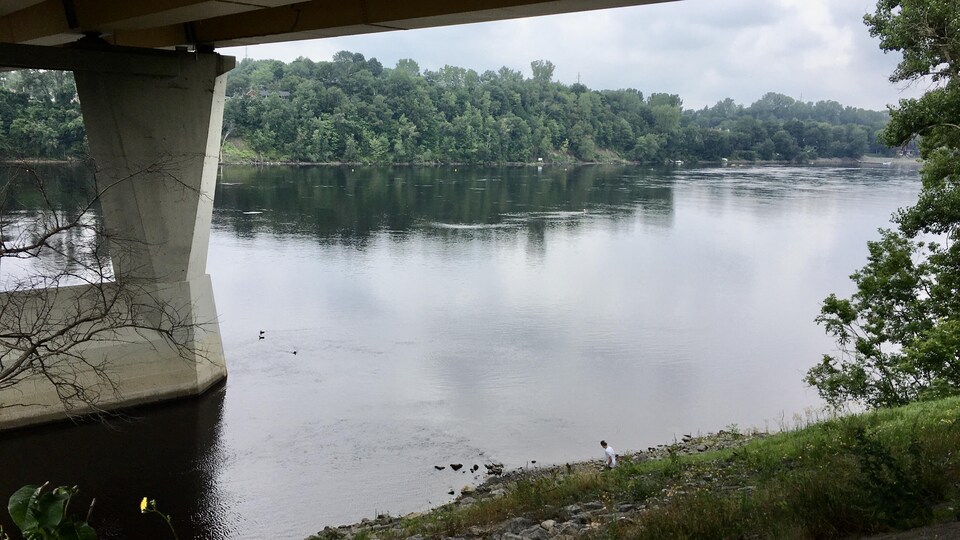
415 317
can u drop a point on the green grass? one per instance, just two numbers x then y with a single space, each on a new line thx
233 153
238 151
864 474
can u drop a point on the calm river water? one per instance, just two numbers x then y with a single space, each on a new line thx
419 317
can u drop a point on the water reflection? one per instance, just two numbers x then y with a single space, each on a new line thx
66 187
348 205
171 453
38 198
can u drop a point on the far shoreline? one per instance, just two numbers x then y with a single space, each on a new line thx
819 162
870 161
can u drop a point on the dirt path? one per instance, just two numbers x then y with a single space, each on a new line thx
943 531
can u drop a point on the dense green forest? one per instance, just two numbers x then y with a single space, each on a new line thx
40 115
352 109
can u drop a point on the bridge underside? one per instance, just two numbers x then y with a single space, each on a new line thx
220 23
153 119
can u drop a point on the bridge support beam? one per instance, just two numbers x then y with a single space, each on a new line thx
154 136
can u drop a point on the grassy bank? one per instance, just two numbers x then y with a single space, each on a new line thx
882 471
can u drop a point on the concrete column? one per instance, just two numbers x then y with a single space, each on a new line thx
154 135
155 142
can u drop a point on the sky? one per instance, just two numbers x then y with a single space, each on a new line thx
702 50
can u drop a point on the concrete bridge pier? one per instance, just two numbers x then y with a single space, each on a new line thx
153 122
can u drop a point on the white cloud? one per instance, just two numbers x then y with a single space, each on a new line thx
703 50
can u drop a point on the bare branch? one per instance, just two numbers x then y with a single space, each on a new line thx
55 314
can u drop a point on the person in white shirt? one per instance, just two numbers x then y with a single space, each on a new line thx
610 455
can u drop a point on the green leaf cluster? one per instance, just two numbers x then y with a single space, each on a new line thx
42 515
899 333
40 116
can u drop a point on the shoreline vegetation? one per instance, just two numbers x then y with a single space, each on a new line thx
846 476
819 162
354 110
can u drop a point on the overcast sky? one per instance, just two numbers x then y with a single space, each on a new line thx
703 50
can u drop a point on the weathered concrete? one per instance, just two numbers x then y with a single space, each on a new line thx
130 366
155 142
156 145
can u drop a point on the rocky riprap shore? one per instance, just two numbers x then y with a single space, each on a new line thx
576 519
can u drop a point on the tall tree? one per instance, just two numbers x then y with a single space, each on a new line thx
542 70
899 334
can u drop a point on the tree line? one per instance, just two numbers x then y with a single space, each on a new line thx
353 109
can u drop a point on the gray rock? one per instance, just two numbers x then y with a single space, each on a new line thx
516 525
495 469
511 536
626 508
548 524
595 505
573 509
535 533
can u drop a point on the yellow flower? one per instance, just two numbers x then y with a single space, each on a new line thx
143 505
